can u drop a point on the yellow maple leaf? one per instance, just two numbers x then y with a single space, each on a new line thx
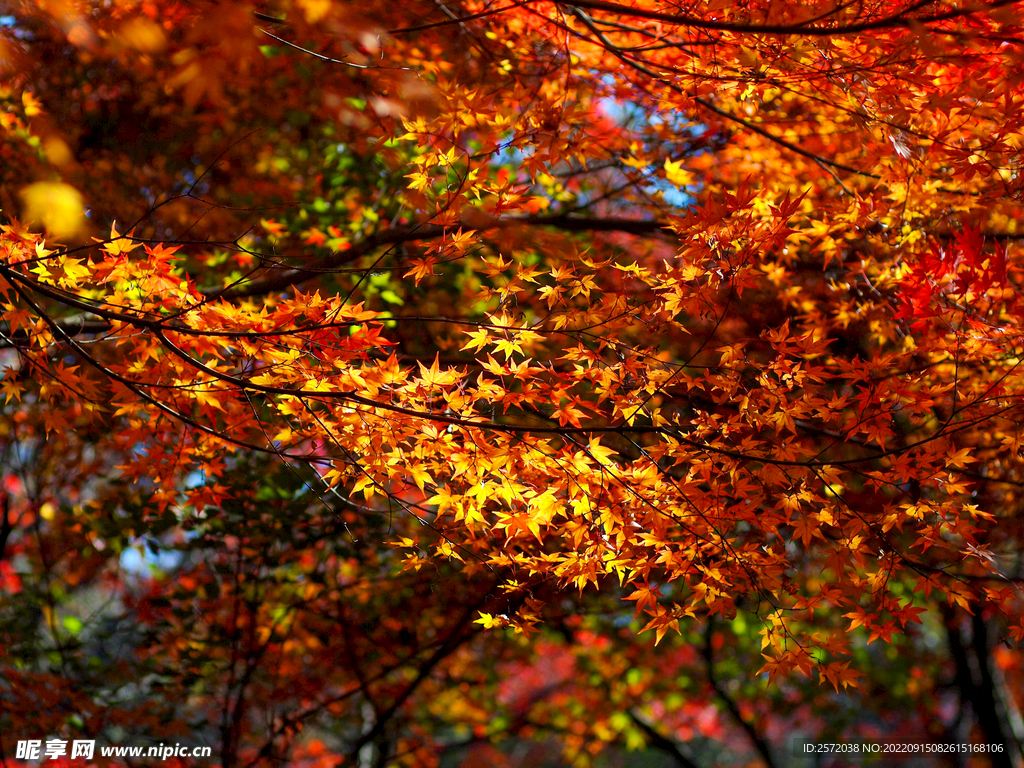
490 622
434 377
676 174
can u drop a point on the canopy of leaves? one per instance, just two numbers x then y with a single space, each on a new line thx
492 383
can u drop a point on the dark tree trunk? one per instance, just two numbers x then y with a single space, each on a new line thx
981 685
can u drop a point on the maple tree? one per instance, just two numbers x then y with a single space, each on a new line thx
385 380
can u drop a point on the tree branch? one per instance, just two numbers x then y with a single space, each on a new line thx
759 743
895 21
392 237
661 742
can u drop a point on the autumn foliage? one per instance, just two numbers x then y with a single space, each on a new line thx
490 383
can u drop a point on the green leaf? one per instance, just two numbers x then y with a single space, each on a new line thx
72 624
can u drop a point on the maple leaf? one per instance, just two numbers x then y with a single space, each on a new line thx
858 618
490 622
600 452
478 339
806 528
508 346
569 414
961 458
421 268
839 673
677 175
434 378
207 397
118 244
646 597
443 499
1017 632
11 389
